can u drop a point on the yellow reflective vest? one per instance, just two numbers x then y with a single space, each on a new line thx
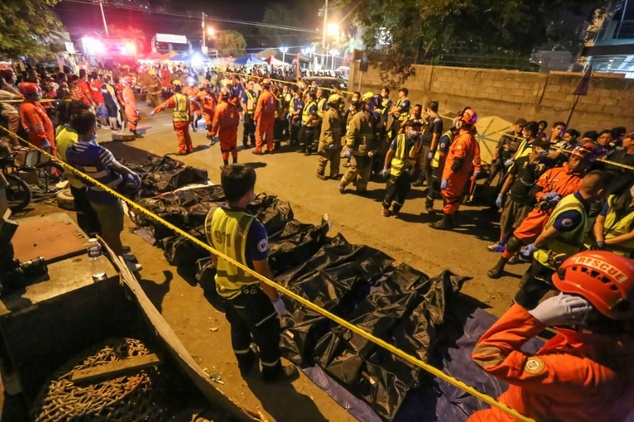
226 231
402 156
305 113
613 228
557 249
181 108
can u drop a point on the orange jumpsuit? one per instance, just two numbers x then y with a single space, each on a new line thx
37 123
86 89
225 125
466 148
131 109
181 121
194 106
574 377
208 105
560 180
264 118
166 78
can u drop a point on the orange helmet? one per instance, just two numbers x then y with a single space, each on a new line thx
468 116
224 93
589 150
28 89
127 80
603 278
266 83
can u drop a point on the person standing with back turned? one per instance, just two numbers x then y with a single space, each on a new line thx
252 307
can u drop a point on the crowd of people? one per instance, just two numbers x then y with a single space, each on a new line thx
566 198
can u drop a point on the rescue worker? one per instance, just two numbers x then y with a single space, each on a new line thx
583 373
154 89
34 118
207 100
309 120
551 187
248 100
264 118
463 158
84 86
192 91
437 166
614 226
295 116
383 107
329 149
400 162
225 126
9 113
562 237
166 81
399 112
132 113
99 163
180 103
322 105
360 145
251 306
505 151
100 107
281 122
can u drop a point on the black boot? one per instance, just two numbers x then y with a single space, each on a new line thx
498 270
446 223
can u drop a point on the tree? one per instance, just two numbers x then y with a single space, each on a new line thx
299 14
135 34
28 28
399 33
230 43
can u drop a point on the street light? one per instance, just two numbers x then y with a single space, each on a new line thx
283 50
211 31
333 29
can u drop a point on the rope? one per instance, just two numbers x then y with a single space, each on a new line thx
304 302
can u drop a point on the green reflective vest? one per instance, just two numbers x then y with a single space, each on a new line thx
250 102
305 112
560 247
181 108
401 158
226 231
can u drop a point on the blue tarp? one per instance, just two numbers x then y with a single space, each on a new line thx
248 60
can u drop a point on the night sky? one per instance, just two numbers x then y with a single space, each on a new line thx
85 19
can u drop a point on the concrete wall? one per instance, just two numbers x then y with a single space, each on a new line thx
512 94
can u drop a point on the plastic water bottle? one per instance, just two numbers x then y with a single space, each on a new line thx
97 260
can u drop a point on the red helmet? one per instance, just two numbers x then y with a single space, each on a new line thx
588 150
224 93
468 116
604 278
28 89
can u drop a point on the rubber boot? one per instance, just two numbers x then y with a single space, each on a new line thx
446 223
498 270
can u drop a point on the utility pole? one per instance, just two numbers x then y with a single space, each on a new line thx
324 59
204 43
103 16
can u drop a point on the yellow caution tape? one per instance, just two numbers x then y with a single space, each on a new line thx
306 303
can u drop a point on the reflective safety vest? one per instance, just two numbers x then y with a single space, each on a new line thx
403 114
250 101
613 228
86 158
435 161
320 107
401 159
305 112
558 248
226 231
181 107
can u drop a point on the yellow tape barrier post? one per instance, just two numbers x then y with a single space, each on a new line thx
306 303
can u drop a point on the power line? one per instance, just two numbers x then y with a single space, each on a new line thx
192 17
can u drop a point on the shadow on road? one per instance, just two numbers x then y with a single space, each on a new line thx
156 291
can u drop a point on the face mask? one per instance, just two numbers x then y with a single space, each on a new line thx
632 191
411 134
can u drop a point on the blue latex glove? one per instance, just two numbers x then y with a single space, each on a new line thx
347 154
385 172
475 174
499 201
279 306
430 155
152 113
597 246
443 184
550 196
528 250
138 113
563 309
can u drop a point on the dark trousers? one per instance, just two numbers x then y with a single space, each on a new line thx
296 126
306 138
396 190
87 218
278 130
535 283
433 190
253 318
249 130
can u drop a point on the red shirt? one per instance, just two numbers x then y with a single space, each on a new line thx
95 88
575 377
